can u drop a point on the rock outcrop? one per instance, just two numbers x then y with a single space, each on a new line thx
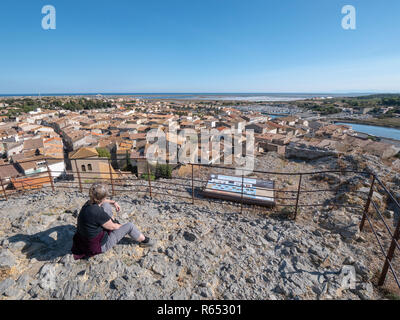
203 251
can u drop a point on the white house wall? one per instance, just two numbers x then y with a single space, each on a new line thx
57 169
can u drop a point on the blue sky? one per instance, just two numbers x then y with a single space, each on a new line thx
199 46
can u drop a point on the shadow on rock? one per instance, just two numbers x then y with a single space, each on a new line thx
46 245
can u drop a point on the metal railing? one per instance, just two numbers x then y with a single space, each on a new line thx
394 236
190 187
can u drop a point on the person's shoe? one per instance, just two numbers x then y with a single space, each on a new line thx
146 243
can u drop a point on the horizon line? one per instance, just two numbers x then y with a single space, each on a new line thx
200 93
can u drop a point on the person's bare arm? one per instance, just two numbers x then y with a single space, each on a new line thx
114 203
109 225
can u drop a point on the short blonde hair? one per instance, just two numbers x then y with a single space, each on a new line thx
98 192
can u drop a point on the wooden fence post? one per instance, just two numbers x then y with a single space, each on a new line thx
79 176
148 178
371 192
241 198
50 177
111 178
4 190
297 199
192 185
389 255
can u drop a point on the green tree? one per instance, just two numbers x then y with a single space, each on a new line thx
103 153
163 171
128 166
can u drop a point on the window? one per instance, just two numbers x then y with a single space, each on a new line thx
89 166
83 168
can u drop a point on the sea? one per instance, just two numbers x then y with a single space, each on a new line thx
203 96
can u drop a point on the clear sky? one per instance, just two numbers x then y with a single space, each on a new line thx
199 46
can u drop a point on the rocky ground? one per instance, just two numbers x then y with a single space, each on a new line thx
208 250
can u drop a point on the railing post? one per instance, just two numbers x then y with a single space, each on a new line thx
297 199
241 198
148 177
4 190
367 204
50 177
111 178
390 254
192 185
79 176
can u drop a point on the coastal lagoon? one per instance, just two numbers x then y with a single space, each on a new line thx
377 131
274 116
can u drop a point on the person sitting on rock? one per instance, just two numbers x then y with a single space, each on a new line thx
97 231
